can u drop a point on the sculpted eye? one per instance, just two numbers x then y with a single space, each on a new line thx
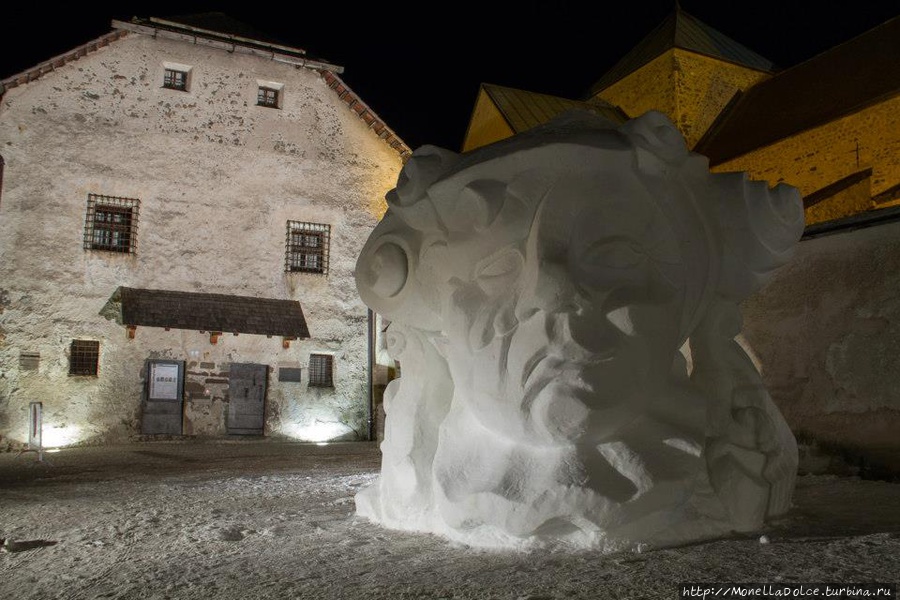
498 272
507 263
615 254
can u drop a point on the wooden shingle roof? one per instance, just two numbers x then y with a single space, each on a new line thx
206 312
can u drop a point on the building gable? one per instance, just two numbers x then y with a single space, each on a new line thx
220 31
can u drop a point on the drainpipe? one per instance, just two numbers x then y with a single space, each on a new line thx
370 351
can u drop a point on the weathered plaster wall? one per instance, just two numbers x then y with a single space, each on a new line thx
826 332
218 177
817 157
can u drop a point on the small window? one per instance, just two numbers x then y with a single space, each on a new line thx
267 96
29 361
321 369
175 79
84 356
111 224
307 247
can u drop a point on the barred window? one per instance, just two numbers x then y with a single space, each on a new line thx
175 79
84 356
321 370
267 96
307 247
111 224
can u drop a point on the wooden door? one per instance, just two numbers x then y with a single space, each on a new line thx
247 399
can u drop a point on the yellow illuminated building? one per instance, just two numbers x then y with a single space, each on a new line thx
829 126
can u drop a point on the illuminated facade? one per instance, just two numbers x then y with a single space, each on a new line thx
825 330
829 126
182 205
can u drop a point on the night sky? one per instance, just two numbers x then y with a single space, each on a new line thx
419 64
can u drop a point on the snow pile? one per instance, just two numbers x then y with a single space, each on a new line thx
540 290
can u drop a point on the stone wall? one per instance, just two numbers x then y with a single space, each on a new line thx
689 88
817 157
217 178
652 87
703 87
826 332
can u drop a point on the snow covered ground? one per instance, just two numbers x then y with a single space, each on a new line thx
261 519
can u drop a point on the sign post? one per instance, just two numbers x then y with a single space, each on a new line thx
35 431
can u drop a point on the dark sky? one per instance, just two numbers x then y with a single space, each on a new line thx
418 64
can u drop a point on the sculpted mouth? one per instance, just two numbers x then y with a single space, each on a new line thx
541 369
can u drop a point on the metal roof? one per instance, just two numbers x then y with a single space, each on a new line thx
840 81
681 30
524 110
206 312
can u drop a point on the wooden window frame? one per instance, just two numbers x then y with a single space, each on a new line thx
110 224
268 96
84 358
321 370
172 81
307 247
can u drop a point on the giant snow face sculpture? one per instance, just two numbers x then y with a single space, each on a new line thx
539 291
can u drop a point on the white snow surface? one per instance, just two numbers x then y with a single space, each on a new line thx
261 519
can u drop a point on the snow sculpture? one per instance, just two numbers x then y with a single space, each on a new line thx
540 290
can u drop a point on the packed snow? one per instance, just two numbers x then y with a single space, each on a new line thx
260 519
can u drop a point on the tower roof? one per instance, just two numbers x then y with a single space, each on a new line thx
681 30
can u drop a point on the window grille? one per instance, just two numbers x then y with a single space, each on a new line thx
307 247
111 224
321 370
84 356
175 79
267 97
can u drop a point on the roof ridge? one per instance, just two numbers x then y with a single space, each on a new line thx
51 64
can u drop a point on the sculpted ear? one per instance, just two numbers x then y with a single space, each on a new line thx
422 169
653 131
408 201
760 228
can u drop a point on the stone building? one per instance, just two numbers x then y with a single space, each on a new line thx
825 331
829 126
181 205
